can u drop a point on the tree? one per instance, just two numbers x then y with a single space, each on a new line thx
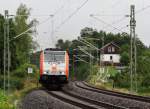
123 41
24 44
1 41
63 45
21 47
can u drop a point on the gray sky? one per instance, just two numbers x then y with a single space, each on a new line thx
71 29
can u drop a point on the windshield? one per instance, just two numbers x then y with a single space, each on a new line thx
54 56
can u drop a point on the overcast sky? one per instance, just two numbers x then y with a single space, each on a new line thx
107 10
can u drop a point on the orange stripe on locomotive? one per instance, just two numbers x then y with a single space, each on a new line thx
67 64
41 63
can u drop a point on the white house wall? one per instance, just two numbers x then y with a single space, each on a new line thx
106 58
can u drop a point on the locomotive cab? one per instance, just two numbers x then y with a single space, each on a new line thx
54 67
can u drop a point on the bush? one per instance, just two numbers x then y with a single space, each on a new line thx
82 72
19 76
4 104
16 83
1 81
123 80
22 71
146 81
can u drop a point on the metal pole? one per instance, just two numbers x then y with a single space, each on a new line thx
8 56
90 64
73 66
5 35
102 51
135 62
133 44
52 28
131 75
97 58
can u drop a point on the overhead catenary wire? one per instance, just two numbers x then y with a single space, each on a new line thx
84 51
107 24
117 21
34 25
71 15
116 3
109 15
80 59
113 23
38 15
143 9
19 35
122 27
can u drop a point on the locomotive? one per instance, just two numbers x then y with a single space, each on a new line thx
54 67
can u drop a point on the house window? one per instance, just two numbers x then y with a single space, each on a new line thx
113 49
109 49
111 58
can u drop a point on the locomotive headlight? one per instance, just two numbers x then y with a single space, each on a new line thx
62 73
44 72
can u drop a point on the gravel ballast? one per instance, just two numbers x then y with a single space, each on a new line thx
132 104
40 99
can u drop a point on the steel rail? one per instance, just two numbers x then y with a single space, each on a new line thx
71 101
95 102
113 93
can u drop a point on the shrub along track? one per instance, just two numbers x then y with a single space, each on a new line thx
86 86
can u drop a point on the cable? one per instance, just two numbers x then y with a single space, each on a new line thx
29 29
107 15
117 2
71 15
143 9
122 27
117 21
38 15
106 23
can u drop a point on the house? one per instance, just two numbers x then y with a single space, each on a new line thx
110 54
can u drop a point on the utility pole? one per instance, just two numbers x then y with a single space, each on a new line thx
102 52
52 28
6 51
133 46
8 56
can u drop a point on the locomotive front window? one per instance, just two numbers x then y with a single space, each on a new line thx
54 56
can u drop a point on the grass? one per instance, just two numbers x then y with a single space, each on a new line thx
108 86
16 96
97 80
4 103
29 86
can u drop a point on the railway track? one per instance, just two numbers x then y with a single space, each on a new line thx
86 86
82 102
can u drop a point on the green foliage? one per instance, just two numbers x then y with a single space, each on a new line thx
125 58
112 72
82 72
144 69
123 41
63 45
22 46
4 104
21 74
22 71
3 98
122 80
